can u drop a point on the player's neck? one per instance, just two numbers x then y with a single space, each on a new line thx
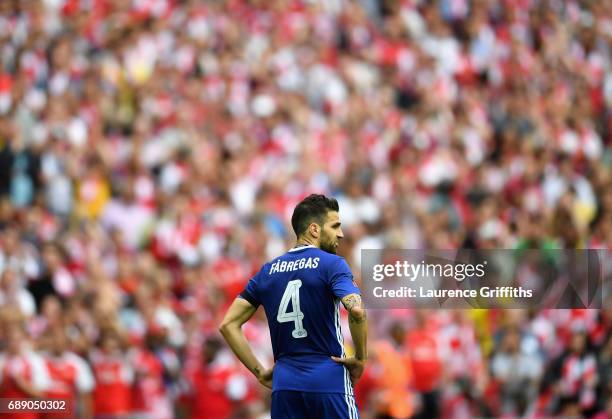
305 241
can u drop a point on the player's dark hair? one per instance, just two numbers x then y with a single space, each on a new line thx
312 208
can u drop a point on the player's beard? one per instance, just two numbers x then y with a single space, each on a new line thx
328 244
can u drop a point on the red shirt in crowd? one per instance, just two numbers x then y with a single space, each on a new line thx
210 399
30 367
149 393
114 377
426 360
69 376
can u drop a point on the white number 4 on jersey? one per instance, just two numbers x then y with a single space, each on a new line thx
292 293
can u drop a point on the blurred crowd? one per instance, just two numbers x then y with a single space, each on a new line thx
152 151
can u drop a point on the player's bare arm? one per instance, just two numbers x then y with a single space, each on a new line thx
231 328
359 332
354 306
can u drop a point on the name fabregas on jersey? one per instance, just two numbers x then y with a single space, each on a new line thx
293 265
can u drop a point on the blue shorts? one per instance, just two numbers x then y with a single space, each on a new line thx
287 404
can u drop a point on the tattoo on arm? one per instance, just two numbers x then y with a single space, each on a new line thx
353 301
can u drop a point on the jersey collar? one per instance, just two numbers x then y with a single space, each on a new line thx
301 247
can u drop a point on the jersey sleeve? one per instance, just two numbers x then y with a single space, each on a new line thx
250 291
85 381
127 373
341 279
40 374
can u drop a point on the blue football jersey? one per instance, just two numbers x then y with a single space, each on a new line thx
300 292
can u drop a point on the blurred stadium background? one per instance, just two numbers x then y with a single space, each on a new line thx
151 153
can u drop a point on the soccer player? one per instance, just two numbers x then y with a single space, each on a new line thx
300 292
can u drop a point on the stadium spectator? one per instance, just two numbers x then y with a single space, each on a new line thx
12 293
389 377
114 377
70 376
427 361
216 389
150 398
576 377
517 373
23 372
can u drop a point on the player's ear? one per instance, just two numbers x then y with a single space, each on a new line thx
315 230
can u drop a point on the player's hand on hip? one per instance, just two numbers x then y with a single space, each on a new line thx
355 367
265 378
